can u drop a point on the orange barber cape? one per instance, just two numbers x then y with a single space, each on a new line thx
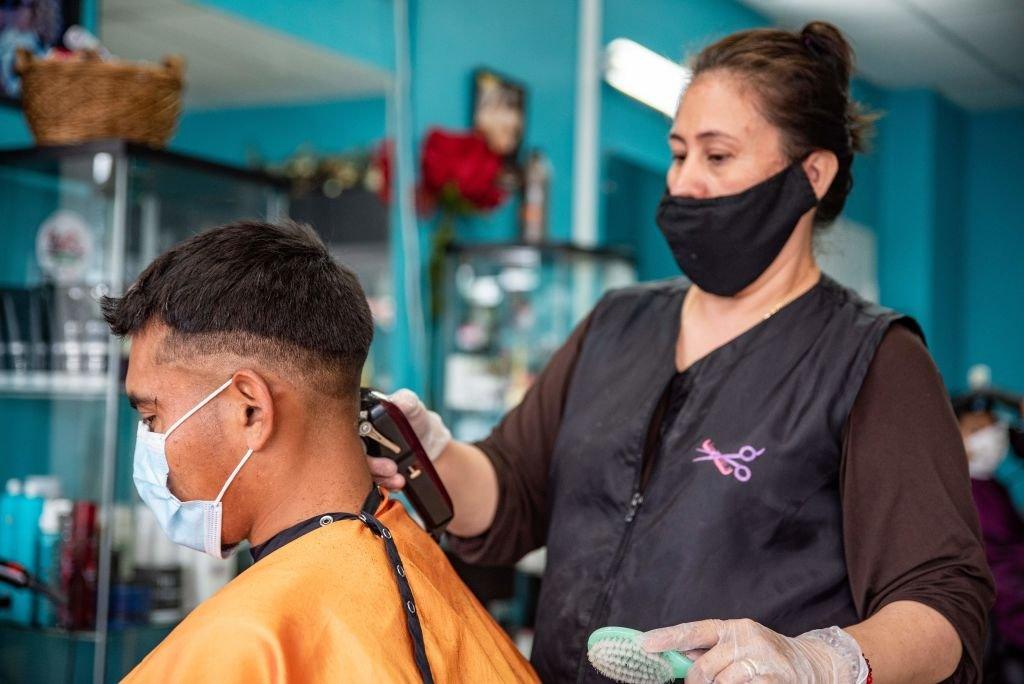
326 607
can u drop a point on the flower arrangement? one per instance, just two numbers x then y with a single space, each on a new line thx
460 176
461 173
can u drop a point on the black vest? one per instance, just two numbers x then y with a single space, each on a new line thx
738 513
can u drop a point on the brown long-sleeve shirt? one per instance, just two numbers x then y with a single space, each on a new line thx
910 530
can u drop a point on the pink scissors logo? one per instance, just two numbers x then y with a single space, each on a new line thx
729 464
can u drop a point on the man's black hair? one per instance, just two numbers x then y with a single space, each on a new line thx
270 291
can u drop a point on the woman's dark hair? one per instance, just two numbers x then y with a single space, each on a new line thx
803 82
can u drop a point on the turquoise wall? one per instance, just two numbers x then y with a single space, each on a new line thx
360 29
950 239
907 213
993 271
13 129
920 177
232 135
532 41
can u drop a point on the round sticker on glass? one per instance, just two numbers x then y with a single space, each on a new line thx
64 246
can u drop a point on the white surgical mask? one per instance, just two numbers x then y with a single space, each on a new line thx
986 449
195 524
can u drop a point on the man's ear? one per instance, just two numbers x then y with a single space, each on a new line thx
257 408
821 167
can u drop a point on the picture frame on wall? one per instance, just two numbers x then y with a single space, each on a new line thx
499 114
37 25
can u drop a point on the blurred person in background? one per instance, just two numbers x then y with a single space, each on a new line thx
997 482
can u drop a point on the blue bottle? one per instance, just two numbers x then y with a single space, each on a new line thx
26 542
9 504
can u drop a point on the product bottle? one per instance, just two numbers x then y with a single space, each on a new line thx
49 557
26 542
533 219
45 486
9 504
78 569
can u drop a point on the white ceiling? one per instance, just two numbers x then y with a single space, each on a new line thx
972 51
233 62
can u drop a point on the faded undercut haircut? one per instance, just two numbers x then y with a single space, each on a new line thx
266 291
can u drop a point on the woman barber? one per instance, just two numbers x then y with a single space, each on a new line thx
761 458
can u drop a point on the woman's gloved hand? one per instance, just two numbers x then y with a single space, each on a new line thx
730 651
429 428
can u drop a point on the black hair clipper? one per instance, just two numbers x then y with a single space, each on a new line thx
387 433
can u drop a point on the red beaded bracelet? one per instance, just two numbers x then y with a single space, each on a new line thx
871 676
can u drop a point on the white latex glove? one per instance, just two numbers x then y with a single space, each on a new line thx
429 428
729 651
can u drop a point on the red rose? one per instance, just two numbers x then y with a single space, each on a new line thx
461 165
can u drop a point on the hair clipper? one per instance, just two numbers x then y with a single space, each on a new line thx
386 433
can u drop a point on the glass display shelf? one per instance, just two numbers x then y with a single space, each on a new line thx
47 385
81 222
507 308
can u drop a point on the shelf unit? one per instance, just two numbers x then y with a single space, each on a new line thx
507 309
134 202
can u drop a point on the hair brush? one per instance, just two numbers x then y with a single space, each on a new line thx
617 653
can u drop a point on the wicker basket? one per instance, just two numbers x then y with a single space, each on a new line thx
72 101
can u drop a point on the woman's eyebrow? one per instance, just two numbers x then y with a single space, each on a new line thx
704 135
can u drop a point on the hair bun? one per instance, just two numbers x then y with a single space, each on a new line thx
826 42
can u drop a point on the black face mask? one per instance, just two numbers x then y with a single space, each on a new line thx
724 243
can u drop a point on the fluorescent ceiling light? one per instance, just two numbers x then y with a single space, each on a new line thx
645 75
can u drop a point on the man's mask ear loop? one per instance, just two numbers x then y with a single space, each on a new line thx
209 397
231 477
